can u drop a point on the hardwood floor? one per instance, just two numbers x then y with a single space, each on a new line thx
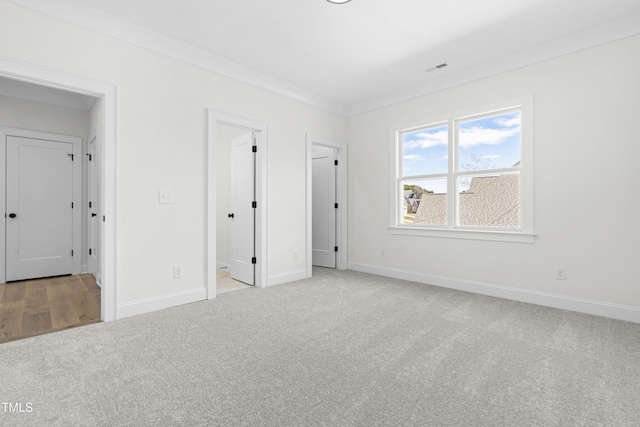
40 306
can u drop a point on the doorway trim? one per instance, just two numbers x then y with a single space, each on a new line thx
260 129
77 196
341 196
107 150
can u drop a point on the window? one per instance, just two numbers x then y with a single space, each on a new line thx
466 174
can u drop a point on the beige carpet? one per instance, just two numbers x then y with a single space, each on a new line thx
340 349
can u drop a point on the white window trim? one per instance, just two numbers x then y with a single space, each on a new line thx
526 233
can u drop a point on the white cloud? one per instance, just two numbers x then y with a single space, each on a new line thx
477 135
413 157
508 123
469 136
426 139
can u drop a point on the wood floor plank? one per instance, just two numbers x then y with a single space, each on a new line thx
11 319
76 285
90 282
87 306
58 280
36 323
36 283
57 291
63 312
14 292
39 306
94 288
36 300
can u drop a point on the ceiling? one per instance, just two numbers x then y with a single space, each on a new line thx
360 55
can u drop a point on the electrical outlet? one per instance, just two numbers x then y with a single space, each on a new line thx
165 197
561 273
177 272
295 255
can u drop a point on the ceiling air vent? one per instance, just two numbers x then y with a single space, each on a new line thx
437 67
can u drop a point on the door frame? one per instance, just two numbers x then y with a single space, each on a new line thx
76 143
260 129
341 196
90 267
107 157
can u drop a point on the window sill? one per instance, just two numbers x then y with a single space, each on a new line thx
495 236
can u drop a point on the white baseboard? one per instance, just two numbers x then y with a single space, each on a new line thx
158 303
223 266
286 278
614 311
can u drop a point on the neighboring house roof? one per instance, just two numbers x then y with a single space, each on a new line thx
491 201
410 198
432 209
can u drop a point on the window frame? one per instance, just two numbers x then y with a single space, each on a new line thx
524 234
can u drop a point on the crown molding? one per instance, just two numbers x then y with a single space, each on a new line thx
106 24
596 36
103 23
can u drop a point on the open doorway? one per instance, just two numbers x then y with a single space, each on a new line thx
49 242
235 221
237 202
324 207
327 189
106 159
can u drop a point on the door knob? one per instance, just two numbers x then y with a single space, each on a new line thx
93 214
230 215
12 215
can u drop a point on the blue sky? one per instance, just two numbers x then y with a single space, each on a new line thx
486 143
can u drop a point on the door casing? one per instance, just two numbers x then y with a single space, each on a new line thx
107 157
260 129
93 197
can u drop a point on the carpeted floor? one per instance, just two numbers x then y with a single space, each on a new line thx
341 349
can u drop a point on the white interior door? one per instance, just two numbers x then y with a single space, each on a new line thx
242 212
93 242
323 193
39 196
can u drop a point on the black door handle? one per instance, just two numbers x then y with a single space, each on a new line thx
12 215
93 214
231 215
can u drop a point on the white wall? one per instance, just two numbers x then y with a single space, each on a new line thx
223 191
44 117
161 145
587 148
24 114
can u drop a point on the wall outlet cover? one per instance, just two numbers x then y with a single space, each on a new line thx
165 197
